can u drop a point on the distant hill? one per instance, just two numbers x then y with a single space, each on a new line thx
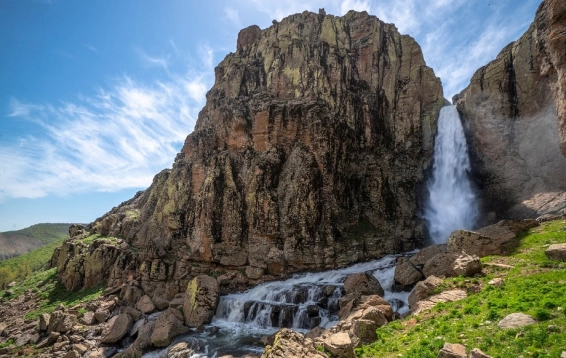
15 243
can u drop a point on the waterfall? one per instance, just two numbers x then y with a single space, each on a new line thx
452 203
301 302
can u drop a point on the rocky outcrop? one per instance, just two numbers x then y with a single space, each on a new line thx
291 344
309 154
200 301
511 122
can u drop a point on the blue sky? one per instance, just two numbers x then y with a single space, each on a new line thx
96 97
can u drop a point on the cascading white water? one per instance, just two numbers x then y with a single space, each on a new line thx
301 302
452 204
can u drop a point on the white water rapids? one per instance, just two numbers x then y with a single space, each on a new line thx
301 303
452 203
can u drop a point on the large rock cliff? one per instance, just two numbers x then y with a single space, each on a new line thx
510 115
309 153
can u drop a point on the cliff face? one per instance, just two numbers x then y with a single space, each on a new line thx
510 115
308 154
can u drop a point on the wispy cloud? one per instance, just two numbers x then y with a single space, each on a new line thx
358 5
232 15
114 140
92 48
153 61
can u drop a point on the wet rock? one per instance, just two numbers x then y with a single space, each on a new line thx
141 343
406 273
312 311
117 328
200 300
137 325
363 284
185 349
168 325
515 320
556 252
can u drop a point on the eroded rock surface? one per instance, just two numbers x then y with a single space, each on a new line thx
308 155
514 113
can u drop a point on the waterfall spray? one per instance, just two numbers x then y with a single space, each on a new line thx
452 203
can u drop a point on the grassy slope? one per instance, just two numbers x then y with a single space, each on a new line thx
535 285
14 243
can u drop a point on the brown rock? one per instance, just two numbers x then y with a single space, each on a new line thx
291 344
406 273
200 300
80 348
512 125
141 343
515 320
430 302
160 302
100 352
134 313
556 252
117 328
466 265
496 282
363 284
145 305
168 325
87 318
131 294
185 349
422 290
452 350
72 354
101 315
427 253
49 340
315 332
61 322
304 139
477 353
341 345
43 323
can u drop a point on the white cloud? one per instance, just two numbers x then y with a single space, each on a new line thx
119 138
232 15
358 5
206 54
90 47
153 61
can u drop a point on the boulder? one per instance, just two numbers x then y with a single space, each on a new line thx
185 349
49 340
427 253
143 341
88 318
363 284
61 322
467 265
131 294
117 328
452 264
423 289
101 352
315 332
406 273
556 252
477 353
515 320
145 305
452 350
43 323
168 325
446 296
134 313
160 302
101 315
72 354
291 344
200 300
341 345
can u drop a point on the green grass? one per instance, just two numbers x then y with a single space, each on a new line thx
46 233
52 293
535 285
20 267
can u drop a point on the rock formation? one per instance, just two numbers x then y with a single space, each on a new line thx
309 154
515 130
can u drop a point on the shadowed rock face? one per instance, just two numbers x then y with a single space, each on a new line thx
510 116
308 154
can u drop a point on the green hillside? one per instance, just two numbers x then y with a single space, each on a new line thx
15 243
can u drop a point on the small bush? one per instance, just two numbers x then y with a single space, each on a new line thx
542 315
